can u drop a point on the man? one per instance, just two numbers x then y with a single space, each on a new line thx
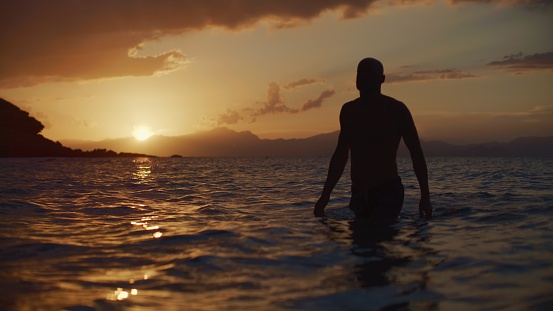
371 128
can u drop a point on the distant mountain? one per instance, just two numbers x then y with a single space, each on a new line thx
520 147
225 142
19 137
531 146
219 142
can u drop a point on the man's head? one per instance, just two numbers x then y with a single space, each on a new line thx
370 75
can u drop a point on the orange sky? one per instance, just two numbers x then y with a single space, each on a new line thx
469 70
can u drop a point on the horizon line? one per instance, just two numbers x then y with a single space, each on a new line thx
153 136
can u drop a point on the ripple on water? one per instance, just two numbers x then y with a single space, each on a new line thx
238 234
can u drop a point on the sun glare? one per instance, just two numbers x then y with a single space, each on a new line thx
142 133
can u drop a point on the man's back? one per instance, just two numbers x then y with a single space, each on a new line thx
372 127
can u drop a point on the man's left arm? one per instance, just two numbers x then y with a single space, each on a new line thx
412 141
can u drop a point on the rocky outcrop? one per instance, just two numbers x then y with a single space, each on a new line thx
20 137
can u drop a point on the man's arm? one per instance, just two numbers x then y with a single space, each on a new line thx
336 167
335 170
411 139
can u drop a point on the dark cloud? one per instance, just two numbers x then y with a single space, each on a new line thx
68 40
60 40
523 3
302 82
521 63
444 74
317 103
89 66
274 104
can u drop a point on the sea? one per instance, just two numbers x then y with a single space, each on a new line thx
84 234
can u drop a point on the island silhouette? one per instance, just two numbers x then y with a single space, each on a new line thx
20 137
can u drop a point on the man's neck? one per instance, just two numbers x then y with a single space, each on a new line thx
372 94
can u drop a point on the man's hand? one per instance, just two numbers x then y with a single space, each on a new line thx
425 208
319 210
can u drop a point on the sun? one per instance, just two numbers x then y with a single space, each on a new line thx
142 133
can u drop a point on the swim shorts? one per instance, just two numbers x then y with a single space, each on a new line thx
380 204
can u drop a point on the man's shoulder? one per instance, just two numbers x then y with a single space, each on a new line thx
351 103
388 100
392 101
350 106
398 106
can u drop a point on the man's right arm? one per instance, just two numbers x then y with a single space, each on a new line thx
336 168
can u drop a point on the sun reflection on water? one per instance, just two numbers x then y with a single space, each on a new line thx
144 224
121 294
143 169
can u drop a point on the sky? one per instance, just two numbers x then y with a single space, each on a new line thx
469 70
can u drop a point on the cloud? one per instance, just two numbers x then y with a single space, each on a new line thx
229 118
205 122
67 40
76 63
520 63
275 105
302 82
523 3
317 103
444 74
58 40
274 102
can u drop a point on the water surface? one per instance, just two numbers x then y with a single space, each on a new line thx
238 234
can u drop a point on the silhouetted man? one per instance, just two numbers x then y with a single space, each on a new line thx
371 127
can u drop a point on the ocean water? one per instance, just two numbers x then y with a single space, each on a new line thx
238 234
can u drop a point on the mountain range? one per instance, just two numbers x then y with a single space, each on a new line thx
20 136
220 142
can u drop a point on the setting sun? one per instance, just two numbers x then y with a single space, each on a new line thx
142 133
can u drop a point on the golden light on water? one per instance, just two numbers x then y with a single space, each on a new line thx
144 224
121 294
143 169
